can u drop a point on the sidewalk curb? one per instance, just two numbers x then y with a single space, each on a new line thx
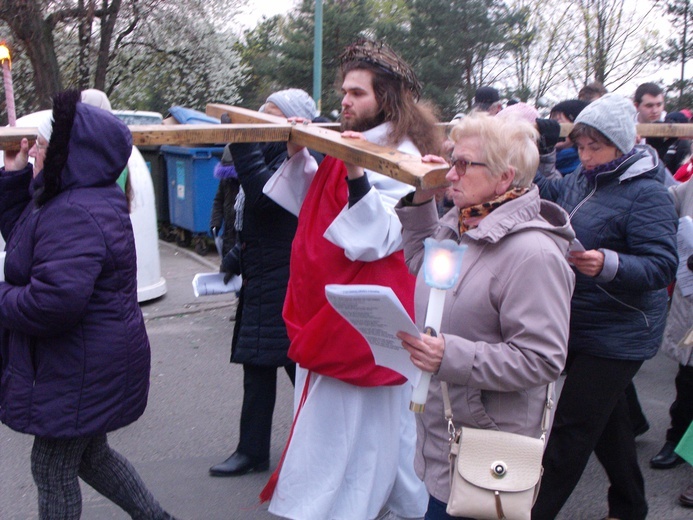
190 254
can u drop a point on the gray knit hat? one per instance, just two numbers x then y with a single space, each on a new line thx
613 116
294 102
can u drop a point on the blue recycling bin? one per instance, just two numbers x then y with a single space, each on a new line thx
191 185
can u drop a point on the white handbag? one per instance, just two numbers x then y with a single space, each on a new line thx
494 475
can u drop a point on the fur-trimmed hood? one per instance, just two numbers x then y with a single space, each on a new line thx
89 147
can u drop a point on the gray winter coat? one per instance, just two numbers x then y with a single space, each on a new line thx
505 323
680 319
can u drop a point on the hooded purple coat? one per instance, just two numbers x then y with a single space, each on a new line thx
74 352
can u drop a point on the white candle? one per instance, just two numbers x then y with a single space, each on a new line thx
7 82
434 316
9 95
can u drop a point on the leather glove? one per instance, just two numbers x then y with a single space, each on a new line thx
227 278
549 133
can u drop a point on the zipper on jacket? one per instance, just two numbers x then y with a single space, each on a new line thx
644 316
580 204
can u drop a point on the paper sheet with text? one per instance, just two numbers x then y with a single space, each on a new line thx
376 312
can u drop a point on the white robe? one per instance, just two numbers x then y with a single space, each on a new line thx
352 450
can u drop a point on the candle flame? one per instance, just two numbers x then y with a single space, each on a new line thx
442 262
5 54
442 265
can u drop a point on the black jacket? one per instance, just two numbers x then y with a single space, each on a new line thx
223 211
264 245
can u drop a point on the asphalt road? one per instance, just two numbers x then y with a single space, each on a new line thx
191 421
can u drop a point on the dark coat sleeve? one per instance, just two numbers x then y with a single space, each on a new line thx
253 173
549 189
652 257
231 262
217 208
67 260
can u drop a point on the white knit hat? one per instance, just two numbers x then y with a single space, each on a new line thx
45 125
96 98
294 102
613 116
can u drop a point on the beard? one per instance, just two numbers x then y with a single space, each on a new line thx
361 124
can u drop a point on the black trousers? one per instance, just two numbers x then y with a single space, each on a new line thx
637 416
681 410
259 396
592 415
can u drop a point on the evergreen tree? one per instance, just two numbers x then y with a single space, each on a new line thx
678 49
457 46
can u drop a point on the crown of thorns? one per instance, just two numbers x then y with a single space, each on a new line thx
383 57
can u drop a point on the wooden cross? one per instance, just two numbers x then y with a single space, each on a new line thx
388 161
248 126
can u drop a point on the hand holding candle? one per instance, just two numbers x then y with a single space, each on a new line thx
442 263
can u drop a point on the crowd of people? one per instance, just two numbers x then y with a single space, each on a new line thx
571 253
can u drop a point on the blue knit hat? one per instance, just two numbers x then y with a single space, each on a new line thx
613 116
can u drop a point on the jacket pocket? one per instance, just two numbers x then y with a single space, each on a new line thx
477 410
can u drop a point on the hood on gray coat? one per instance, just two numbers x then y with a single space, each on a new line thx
528 212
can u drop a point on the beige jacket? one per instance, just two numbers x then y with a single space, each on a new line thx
680 318
505 323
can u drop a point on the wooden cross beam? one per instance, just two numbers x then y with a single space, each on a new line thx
250 126
678 130
398 165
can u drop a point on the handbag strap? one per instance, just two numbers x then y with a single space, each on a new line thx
545 418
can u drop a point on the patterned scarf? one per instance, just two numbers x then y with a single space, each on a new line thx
606 167
471 216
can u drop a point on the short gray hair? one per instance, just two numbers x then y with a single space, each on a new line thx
506 142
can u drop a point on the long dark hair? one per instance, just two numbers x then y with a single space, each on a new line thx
409 118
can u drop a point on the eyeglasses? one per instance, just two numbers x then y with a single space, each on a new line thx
38 146
461 165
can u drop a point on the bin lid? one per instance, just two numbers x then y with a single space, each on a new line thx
138 117
188 116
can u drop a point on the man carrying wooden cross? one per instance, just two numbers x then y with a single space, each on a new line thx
351 451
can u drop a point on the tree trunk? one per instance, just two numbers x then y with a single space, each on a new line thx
84 36
108 21
684 43
36 34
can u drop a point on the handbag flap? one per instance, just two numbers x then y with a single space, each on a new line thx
499 461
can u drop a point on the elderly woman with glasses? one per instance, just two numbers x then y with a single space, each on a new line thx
504 330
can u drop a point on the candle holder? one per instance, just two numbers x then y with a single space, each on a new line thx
442 264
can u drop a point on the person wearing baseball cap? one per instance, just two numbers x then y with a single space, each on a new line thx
487 99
